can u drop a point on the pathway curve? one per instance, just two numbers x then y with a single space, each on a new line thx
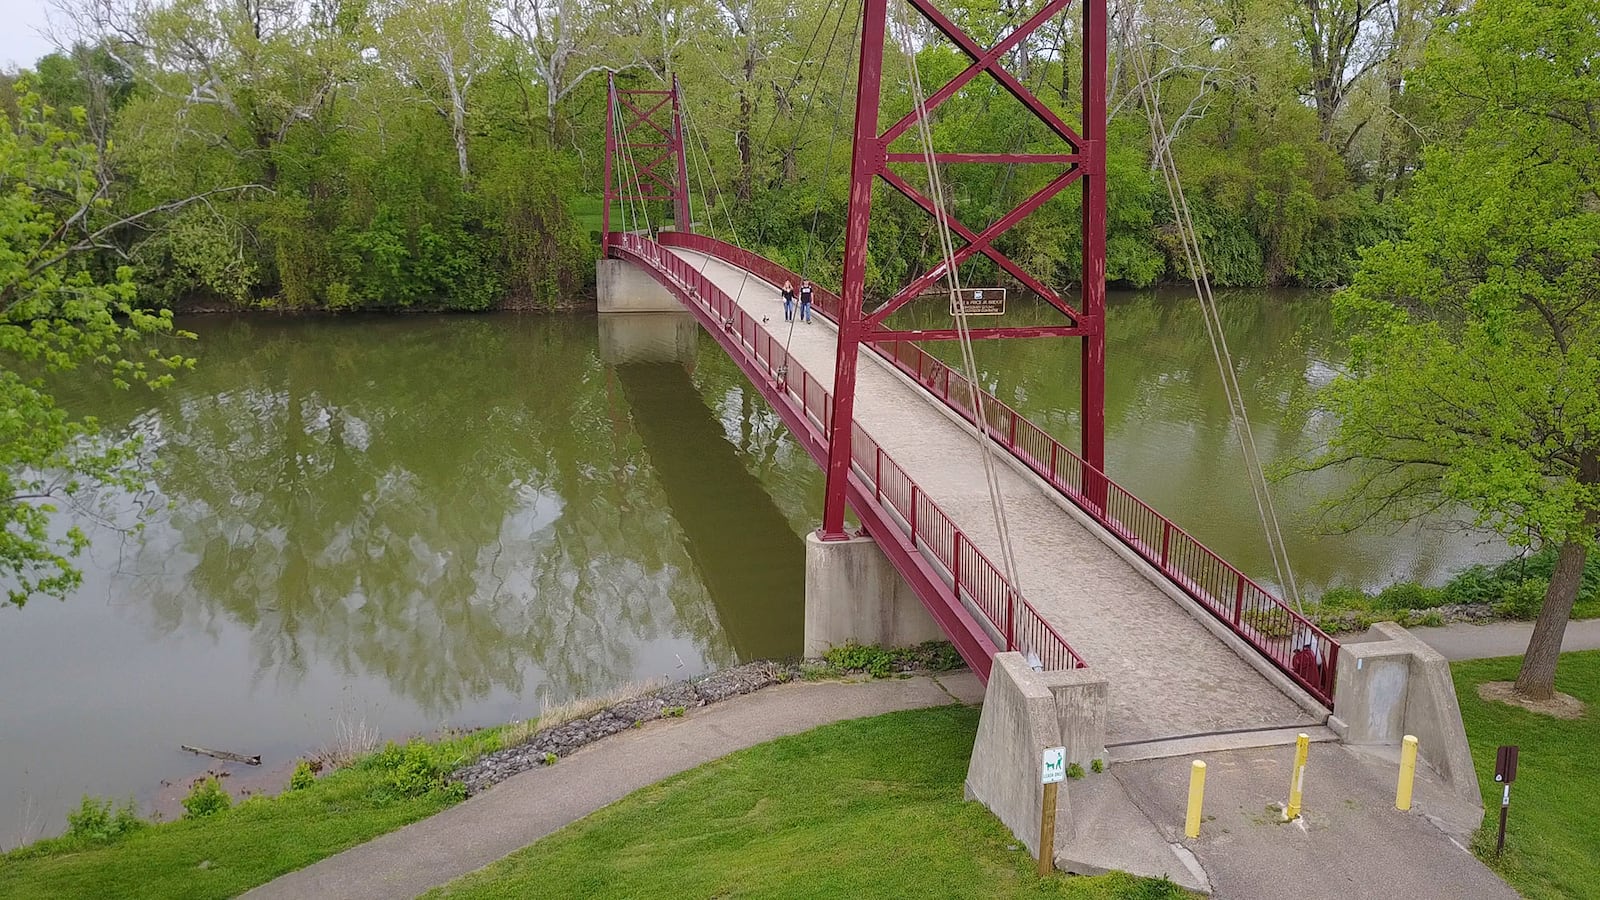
522 809
1169 675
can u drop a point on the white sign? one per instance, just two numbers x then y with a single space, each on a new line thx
1055 765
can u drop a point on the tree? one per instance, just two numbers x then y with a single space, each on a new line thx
1475 377
57 313
440 49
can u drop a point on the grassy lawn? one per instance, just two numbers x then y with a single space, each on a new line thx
867 808
1553 837
228 852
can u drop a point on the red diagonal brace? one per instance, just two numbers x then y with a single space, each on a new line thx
979 243
645 118
987 61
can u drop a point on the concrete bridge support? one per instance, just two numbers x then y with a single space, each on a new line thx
649 337
1023 713
621 286
854 594
1396 686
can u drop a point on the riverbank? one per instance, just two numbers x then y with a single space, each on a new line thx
234 846
1512 591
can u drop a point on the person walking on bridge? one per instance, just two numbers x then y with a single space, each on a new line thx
805 300
788 301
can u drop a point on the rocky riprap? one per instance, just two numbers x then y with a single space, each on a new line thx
569 736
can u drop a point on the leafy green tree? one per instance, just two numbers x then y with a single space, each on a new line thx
58 313
1476 337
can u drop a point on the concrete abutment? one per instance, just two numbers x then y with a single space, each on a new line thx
855 595
621 286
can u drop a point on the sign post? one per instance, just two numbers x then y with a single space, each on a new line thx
1505 772
1055 770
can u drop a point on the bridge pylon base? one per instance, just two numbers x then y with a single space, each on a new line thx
1025 712
855 595
622 287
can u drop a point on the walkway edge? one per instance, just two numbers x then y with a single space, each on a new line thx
526 807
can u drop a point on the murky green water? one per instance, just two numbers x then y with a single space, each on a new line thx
415 522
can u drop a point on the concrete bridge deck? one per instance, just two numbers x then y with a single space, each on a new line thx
1169 674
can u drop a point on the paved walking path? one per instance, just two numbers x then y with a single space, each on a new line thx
526 807
1466 641
1169 675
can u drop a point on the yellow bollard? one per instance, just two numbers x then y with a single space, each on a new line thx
1197 794
1302 746
1408 772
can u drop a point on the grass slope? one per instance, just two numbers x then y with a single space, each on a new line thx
866 808
1553 836
227 853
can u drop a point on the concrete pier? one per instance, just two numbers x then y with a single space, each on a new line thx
854 594
620 286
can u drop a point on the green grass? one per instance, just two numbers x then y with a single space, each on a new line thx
866 808
1553 835
233 850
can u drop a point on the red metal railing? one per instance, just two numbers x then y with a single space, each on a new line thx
972 577
1264 621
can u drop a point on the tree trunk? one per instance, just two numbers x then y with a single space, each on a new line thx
1537 680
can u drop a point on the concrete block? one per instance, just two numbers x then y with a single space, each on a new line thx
1083 700
652 337
1019 721
621 286
854 594
1398 686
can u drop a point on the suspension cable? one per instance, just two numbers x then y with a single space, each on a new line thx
1199 275
953 279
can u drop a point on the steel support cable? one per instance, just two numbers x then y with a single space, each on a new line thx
969 363
617 134
1193 254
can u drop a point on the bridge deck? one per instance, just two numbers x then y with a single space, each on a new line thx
1169 675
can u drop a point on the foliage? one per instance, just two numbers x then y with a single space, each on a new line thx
245 846
303 776
858 816
673 712
207 798
1075 771
880 662
413 769
1097 765
1550 840
58 313
1475 372
96 820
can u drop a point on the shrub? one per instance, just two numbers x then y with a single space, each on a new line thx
1344 598
1097 765
1523 599
1074 771
1409 595
95 820
875 661
206 799
303 777
412 769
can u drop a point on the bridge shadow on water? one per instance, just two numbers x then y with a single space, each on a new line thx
751 562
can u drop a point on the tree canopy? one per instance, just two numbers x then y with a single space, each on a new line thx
1476 374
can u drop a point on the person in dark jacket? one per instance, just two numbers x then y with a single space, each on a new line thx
805 301
1305 664
788 301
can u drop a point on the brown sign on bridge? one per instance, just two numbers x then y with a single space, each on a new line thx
976 301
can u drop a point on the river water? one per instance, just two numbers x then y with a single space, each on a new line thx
404 523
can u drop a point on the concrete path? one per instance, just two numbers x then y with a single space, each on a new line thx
1350 841
1169 675
525 808
1466 641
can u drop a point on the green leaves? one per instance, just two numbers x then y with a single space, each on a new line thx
1476 373
58 314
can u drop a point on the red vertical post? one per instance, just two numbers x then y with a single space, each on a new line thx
681 197
1094 244
866 161
611 152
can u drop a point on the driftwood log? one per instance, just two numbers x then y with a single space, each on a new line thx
223 754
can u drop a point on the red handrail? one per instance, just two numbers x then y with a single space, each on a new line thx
969 571
1293 643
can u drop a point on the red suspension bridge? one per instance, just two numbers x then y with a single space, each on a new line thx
1188 642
